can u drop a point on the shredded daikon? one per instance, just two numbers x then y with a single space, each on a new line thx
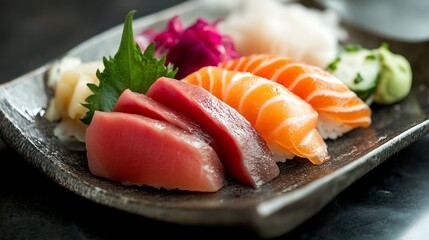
288 29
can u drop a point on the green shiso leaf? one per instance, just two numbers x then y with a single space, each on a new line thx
128 69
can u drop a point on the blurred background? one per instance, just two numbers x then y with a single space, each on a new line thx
36 32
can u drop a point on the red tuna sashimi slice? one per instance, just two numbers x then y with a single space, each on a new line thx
134 149
136 103
243 152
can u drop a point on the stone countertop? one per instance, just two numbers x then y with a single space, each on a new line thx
390 202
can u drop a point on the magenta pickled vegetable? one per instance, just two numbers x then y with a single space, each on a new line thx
189 49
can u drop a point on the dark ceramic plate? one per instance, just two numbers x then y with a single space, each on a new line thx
300 191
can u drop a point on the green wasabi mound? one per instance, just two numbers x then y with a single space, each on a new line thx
376 75
394 82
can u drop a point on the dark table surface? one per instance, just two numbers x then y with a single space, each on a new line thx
390 202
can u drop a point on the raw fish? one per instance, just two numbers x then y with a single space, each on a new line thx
285 121
340 109
136 150
137 103
244 152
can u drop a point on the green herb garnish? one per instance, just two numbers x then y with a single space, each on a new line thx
352 48
358 79
370 57
384 45
128 69
333 65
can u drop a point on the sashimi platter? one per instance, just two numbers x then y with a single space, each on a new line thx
216 113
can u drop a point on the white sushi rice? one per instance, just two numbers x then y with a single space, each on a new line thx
286 29
280 154
331 129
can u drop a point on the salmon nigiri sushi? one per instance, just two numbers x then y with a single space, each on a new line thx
286 122
340 109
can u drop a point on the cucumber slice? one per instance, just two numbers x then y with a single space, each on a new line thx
358 68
